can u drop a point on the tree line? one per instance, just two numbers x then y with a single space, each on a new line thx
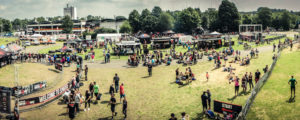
226 18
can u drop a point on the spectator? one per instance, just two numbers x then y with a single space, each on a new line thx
257 76
116 82
293 83
112 103
125 107
208 99
173 117
87 100
96 90
204 101
122 92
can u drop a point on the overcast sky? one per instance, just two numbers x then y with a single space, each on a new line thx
11 9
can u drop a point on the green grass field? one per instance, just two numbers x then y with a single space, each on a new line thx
273 101
4 40
158 96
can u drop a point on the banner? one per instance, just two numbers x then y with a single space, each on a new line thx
5 96
26 90
222 107
42 99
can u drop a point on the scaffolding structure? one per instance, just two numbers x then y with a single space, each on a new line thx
251 28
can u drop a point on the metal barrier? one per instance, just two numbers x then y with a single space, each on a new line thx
259 85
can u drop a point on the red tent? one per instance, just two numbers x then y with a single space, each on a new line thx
2 53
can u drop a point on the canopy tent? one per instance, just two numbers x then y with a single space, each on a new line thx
2 46
71 42
2 53
169 32
114 37
215 33
14 48
36 36
144 35
127 43
66 49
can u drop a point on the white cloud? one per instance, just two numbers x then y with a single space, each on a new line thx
2 7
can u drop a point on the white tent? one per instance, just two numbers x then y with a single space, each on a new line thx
114 37
36 36
215 33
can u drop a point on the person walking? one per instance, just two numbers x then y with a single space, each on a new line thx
113 103
86 72
116 82
173 117
237 85
87 100
293 83
91 88
257 76
96 91
124 110
250 77
122 92
111 89
204 101
207 76
150 69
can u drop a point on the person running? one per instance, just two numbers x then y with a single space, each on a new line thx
116 82
237 85
87 100
86 72
150 69
96 90
173 117
293 83
207 76
250 80
124 110
257 76
208 98
204 101
122 92
113 103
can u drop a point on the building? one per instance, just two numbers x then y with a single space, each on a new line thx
55 28
70 11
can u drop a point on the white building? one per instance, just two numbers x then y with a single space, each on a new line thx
55 28
70 11
112 25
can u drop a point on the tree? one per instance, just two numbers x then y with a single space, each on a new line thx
6 25
188 20
264 17
17 24
120 18
40 19
67 24
166 22
134 20
276 23
156 11
125 27
285 20
149 23
246 19
144 14
204 22
229 16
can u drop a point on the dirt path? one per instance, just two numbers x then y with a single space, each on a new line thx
36 49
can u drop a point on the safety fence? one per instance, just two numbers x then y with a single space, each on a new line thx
259 85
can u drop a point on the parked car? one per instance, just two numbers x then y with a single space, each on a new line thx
26 43
44 41
35 42
52 41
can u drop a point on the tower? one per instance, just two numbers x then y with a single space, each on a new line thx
70 11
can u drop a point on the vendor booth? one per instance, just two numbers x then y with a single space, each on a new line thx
144 38
161 43
127 47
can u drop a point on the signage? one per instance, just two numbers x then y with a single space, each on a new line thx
88 37
26 90
44 98
225 108
5 96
